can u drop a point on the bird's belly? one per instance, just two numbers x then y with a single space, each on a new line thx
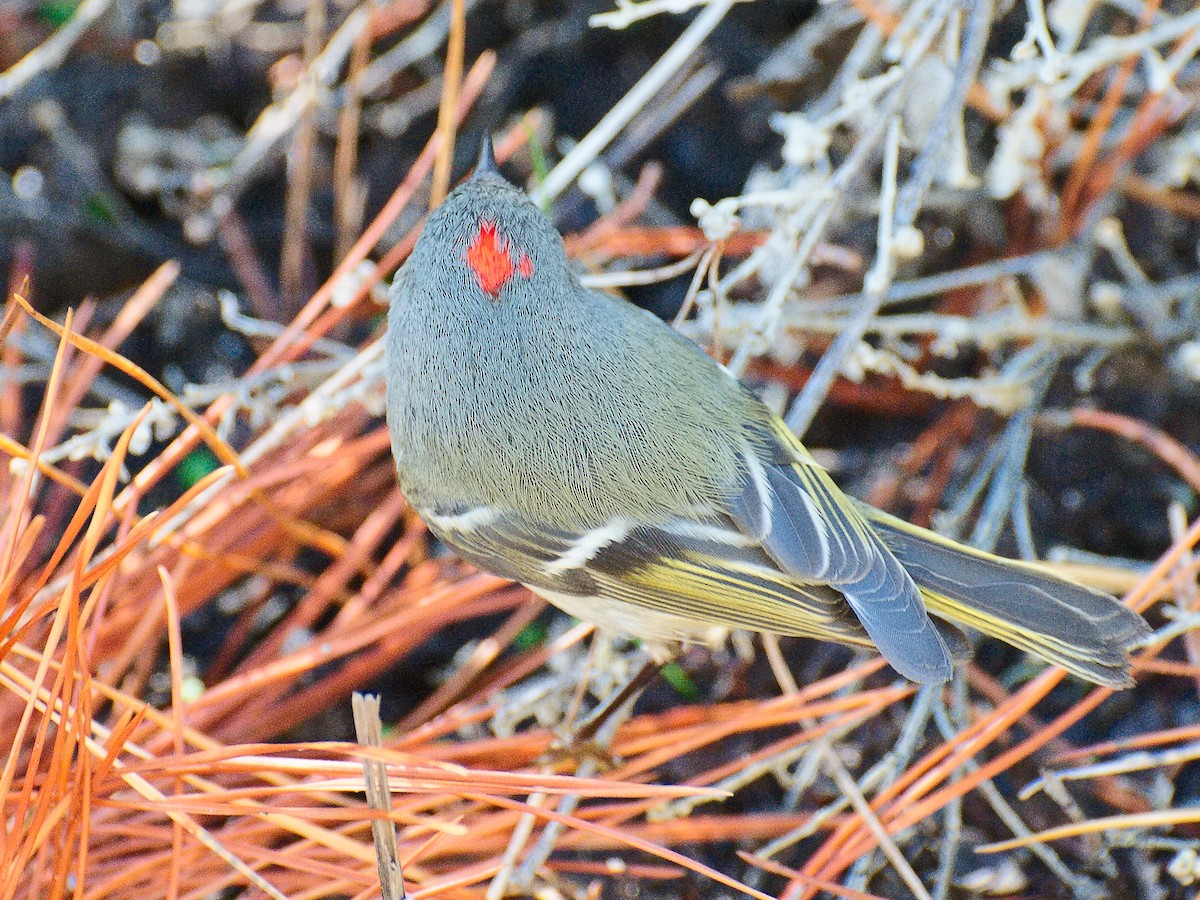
656 629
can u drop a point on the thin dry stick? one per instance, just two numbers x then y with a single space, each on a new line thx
13 323
49 54
450 84
703 267
642 276
249 270
349 193
368 728
295 232
175 655
639 95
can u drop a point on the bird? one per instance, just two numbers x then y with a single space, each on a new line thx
568 440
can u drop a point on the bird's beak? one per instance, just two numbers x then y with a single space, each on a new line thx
486 164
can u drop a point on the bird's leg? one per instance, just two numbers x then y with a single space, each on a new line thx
586 730
596 731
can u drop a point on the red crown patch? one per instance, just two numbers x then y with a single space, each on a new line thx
489 259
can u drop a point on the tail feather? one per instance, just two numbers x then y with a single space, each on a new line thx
1084 631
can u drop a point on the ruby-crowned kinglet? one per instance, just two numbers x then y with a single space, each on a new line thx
574 443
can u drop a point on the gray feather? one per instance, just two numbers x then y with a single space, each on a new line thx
815 538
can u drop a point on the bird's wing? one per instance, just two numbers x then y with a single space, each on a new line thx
788 504
669 581
787 553
1084 631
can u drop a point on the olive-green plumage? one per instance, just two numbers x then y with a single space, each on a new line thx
566 439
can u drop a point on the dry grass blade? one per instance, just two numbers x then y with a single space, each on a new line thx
451 75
